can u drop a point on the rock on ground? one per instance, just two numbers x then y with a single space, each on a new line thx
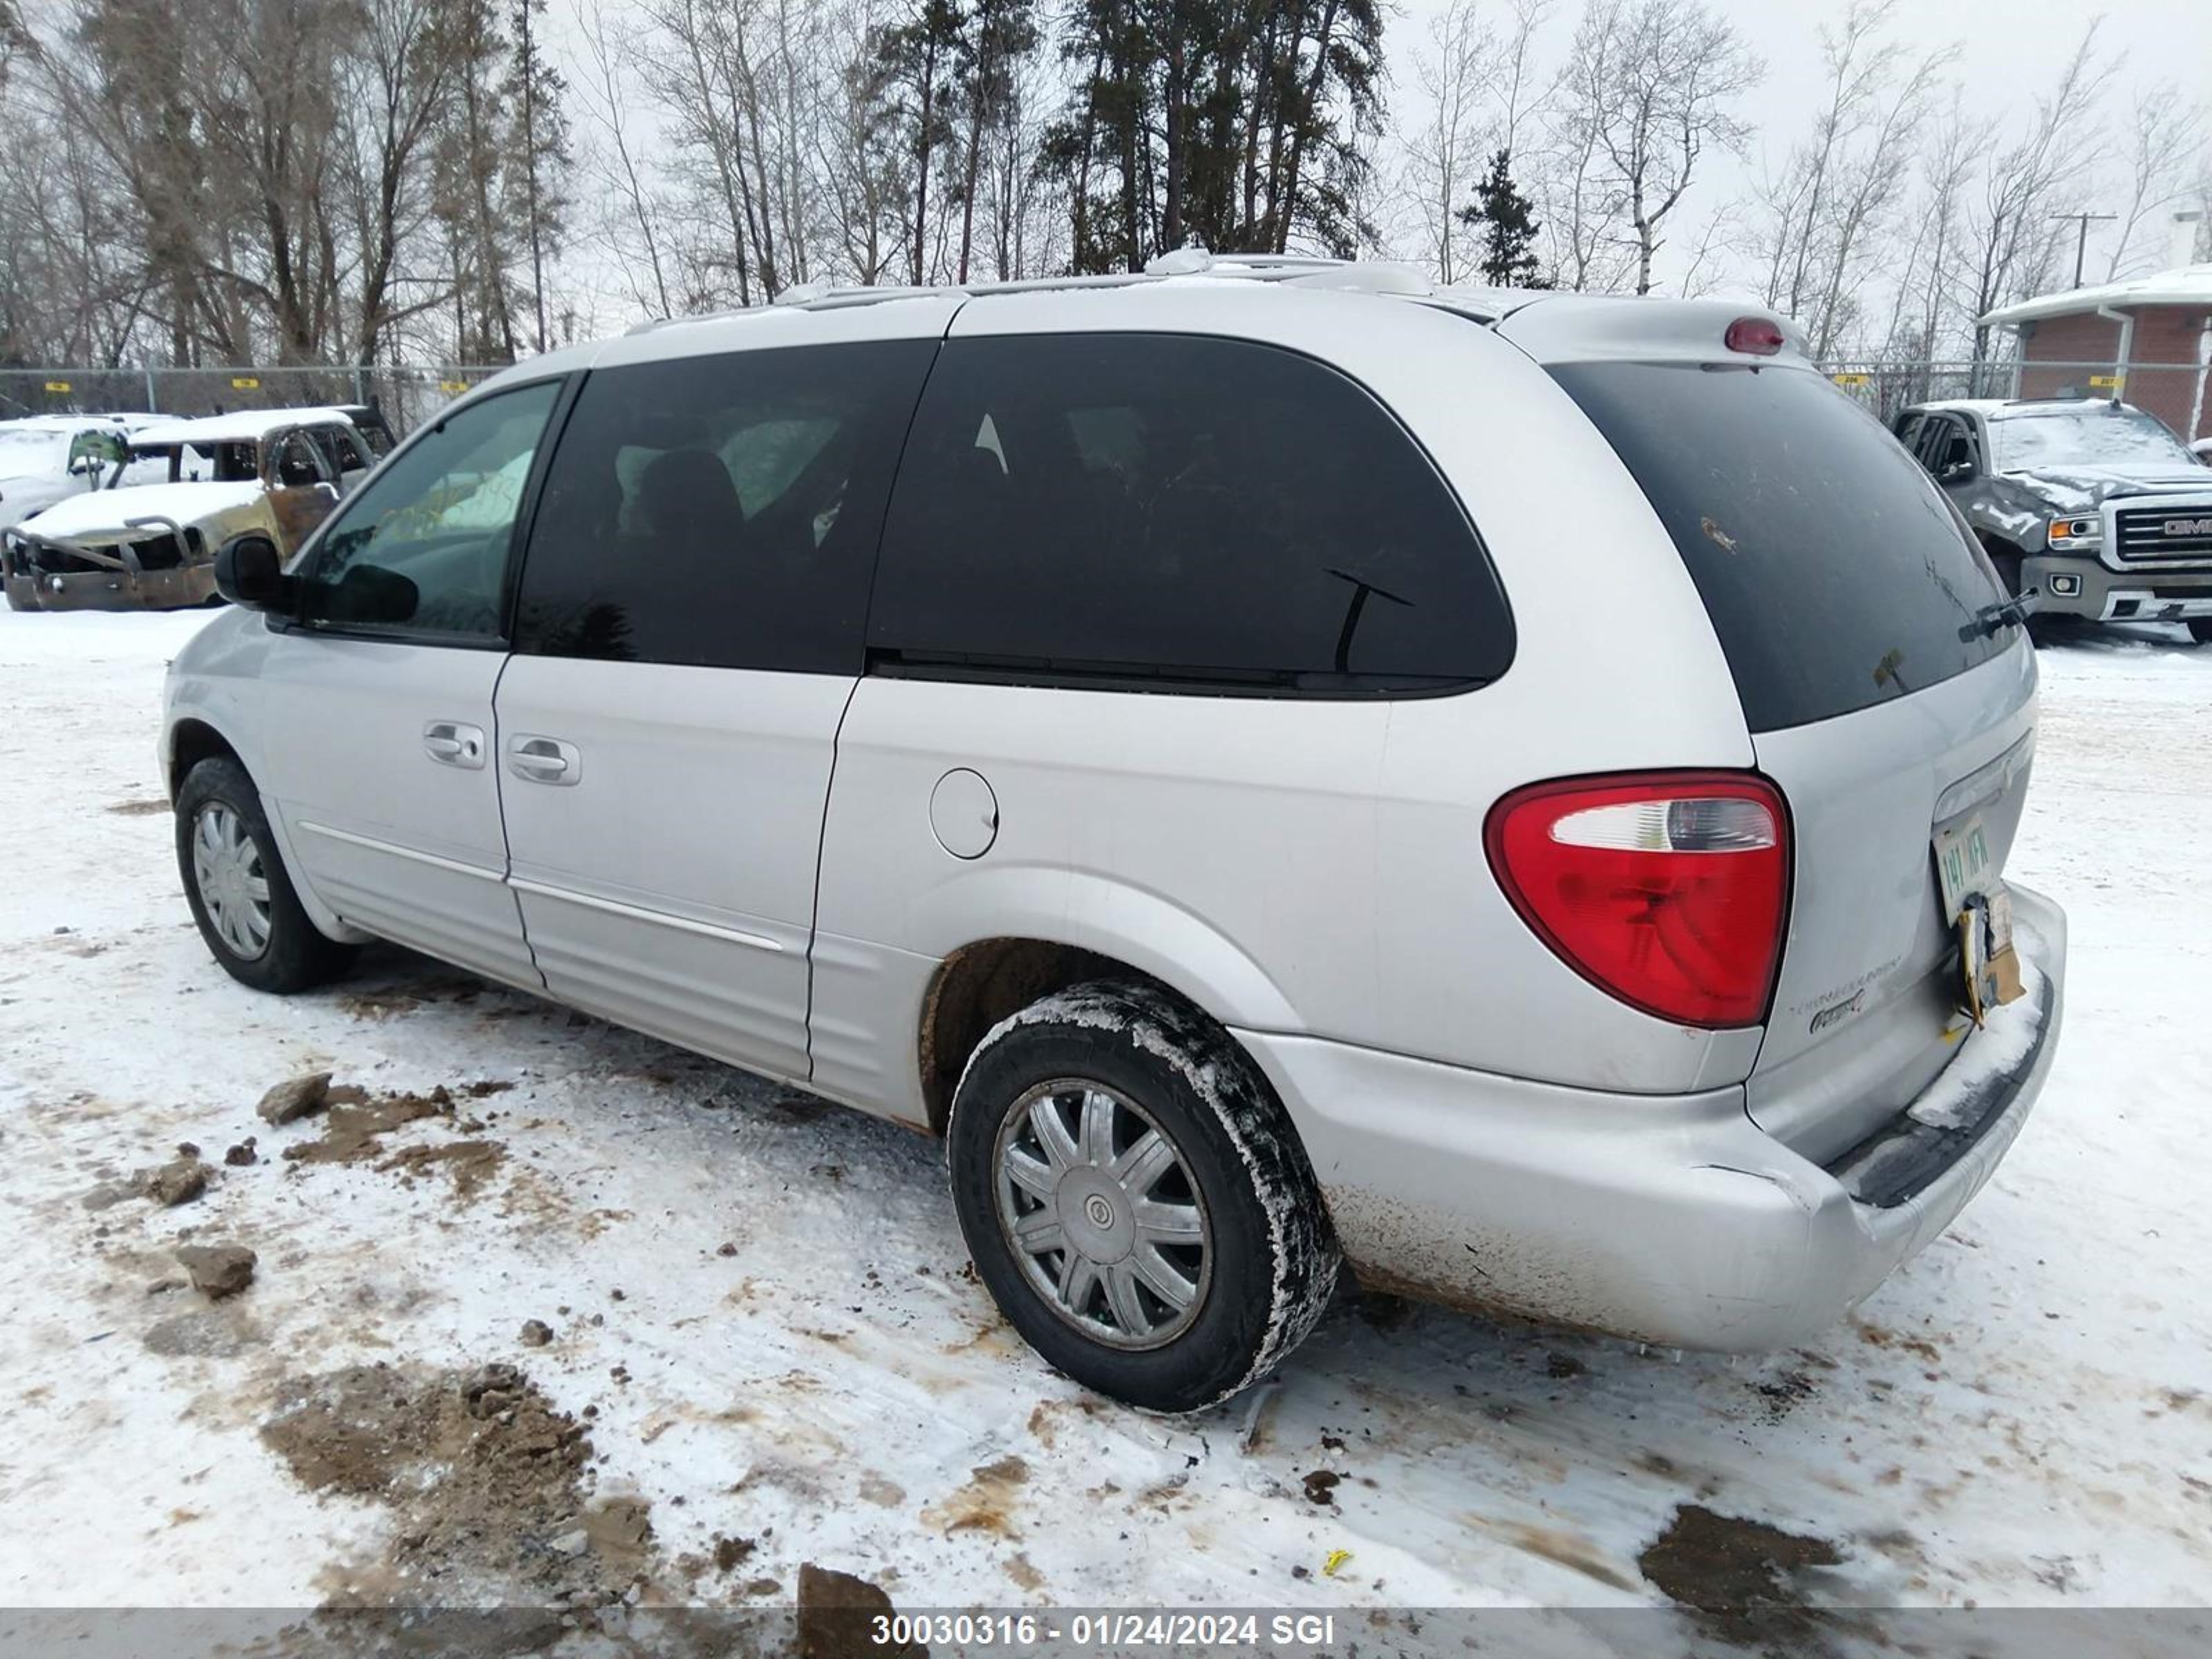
217 1270
295 1099
178 1181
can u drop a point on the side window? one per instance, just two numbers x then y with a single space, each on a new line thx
723 511
343 448
237 463
1117 508
296 466
148 466
1948 445
423 548
1908 430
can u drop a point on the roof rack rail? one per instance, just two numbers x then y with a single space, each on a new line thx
1191 261
1313 271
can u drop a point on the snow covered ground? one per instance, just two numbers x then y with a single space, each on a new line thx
762 1323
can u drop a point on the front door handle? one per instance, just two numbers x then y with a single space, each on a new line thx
544 760
454 743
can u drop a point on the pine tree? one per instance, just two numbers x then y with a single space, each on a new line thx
1233 125
1509 227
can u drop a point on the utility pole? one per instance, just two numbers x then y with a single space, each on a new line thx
2081 238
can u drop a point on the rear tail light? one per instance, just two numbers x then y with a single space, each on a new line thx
1759 336
1667 890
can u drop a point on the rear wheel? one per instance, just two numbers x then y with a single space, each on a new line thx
1135 1199
239 894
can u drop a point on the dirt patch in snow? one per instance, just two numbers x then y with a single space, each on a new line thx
138 809
419 990
355 1122
470 1163
986 1503
1737 1573
483 1479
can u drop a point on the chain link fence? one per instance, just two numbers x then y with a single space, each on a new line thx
2175 392
406 395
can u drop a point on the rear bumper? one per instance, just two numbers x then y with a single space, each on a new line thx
1673 1219
2099 594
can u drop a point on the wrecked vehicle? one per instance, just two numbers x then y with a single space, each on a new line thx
175 492
2088 509
48 458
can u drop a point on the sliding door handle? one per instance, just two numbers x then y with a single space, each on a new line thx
454 743
544 760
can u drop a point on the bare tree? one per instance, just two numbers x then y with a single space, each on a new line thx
1458 75
396 90
2166 150
631 226
1845 181
1583 204
2007 238
1651 86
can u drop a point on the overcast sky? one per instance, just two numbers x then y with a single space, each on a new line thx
2010 51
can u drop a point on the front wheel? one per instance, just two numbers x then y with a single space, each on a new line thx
1134 1198
2200 630
239 894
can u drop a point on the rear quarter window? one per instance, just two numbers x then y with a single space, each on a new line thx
1096 509
1835 573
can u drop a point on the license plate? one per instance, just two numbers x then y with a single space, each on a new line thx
1964 863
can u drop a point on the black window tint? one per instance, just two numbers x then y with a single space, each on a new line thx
721 511
1160 506
1836 574
421 547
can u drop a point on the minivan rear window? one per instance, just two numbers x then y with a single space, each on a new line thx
1836 573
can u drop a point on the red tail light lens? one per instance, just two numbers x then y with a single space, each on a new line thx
1759 336
1667 890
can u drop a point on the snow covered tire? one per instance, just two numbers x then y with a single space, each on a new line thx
1271 1260
293 954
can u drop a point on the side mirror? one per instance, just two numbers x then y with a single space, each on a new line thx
249 571
367 594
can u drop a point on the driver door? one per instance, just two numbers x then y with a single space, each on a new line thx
380 735
302 486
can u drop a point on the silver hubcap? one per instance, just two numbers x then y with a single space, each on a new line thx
234 887
1103 1214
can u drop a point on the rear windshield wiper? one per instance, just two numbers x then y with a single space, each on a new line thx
1992 617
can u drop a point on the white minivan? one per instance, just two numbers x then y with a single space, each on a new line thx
1274 763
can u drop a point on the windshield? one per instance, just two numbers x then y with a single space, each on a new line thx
28 453
2102 434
